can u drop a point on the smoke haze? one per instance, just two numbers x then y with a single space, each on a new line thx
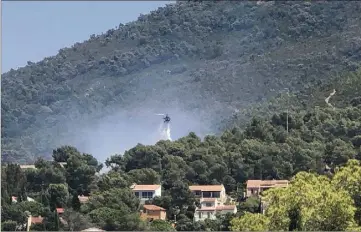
124 129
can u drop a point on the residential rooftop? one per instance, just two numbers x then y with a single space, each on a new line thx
60 210
36 220
206 188
267 183
153 208
139 187
83 199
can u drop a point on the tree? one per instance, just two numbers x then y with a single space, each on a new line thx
51 220
56 221
113 179
13 181
348 178
13 213
79 174
144 176
250 205
250 222
58 195
311 202
312 199
186 224
76 221
75 202
181 196
120 199
8 225
38 227
225 221
160 225
116 220
35 208
62 153
40 179
141 157
338 152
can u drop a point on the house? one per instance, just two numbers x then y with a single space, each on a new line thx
210 207
83 199
15 199
210 191
146 192
255 187
60 210
153 212
212 199
33 220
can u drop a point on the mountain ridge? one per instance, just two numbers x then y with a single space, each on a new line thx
207 58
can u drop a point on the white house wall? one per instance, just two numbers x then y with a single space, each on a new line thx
156 193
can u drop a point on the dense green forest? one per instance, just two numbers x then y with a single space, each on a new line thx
208 58
320 153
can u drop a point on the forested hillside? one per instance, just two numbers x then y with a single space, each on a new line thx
208 58
320 153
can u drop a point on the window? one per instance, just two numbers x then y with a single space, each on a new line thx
197 193
147 194
206 194
216 194
208 204
209 215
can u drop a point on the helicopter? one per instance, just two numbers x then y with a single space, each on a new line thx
166 118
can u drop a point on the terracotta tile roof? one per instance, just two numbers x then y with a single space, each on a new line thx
266 183
37 220
208 199
60 210
226 207
153 208
145 187
206 209
206 188
83 199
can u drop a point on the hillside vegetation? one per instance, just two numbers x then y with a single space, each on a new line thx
208 58
320 154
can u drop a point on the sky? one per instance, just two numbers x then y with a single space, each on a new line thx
34 30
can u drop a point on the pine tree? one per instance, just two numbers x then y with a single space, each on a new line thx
75 203
44 199
56 221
